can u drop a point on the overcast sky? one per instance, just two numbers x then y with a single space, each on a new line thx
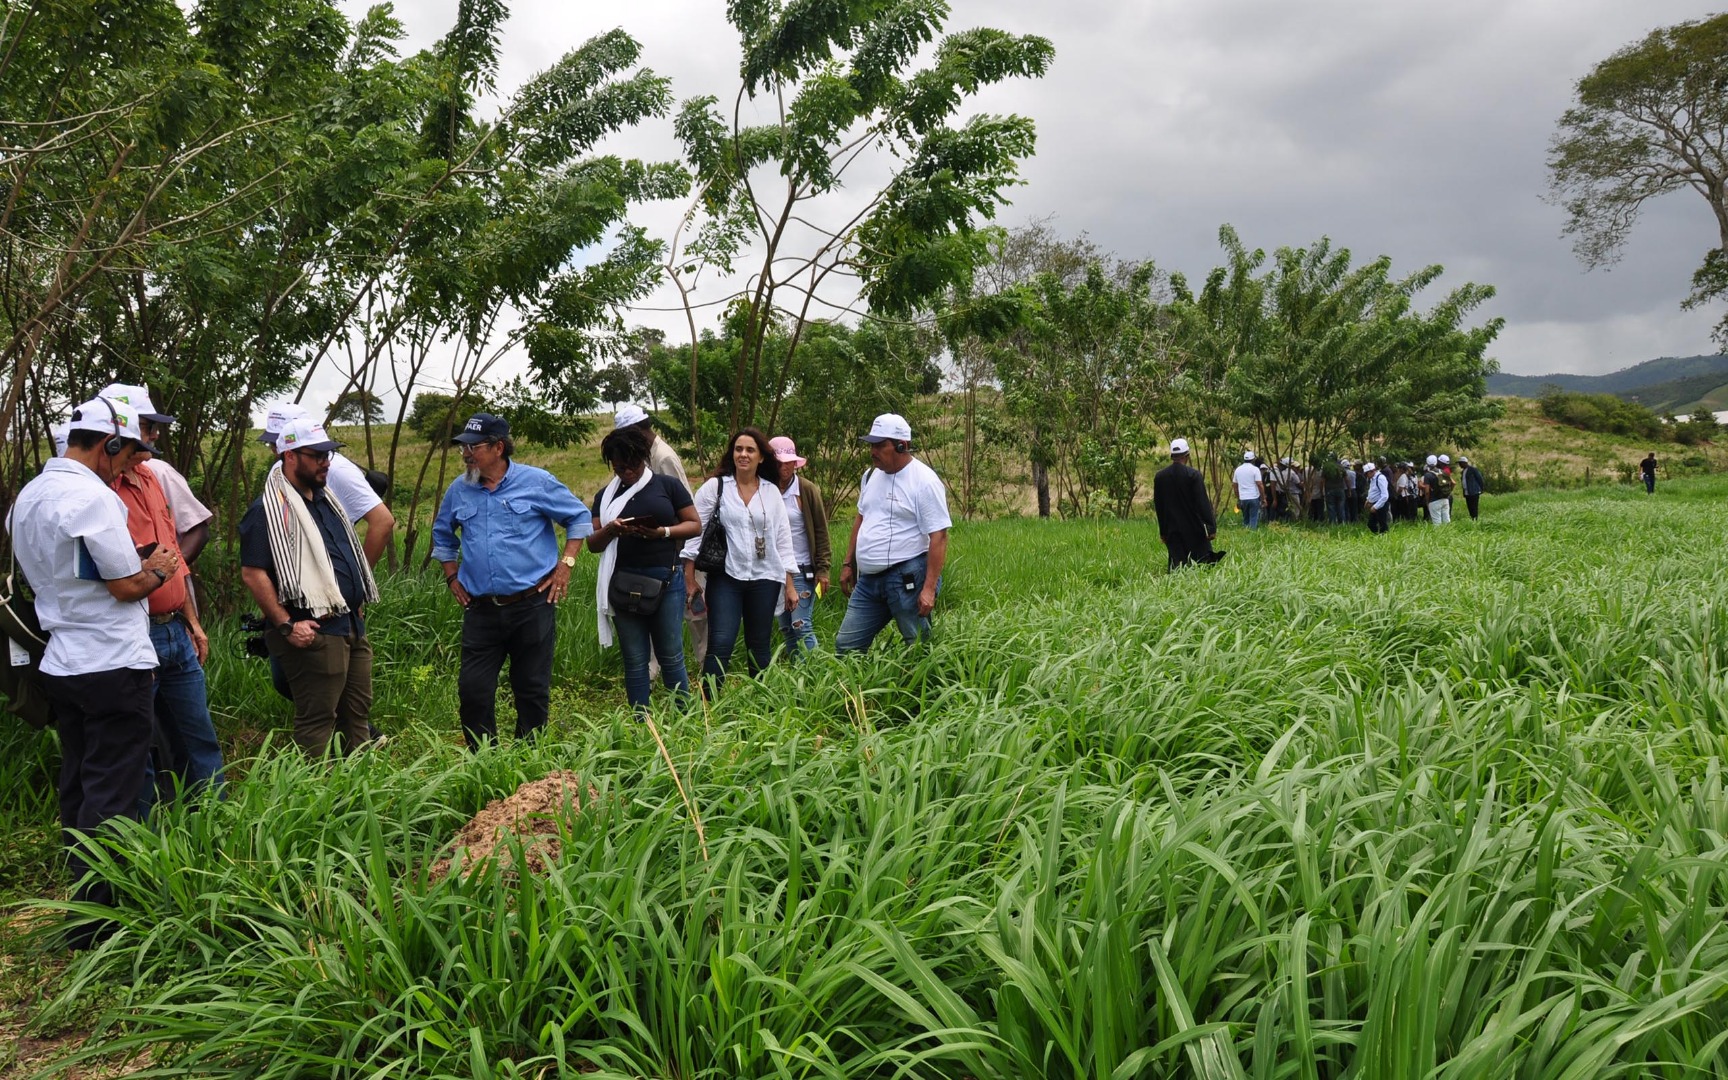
1417 130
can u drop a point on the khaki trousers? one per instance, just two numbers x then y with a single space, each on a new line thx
332 683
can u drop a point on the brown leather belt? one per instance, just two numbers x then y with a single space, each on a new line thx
164 620
505 601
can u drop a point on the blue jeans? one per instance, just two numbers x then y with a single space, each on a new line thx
182 715
798 626
1335 507
662 631
731 602
1250 512
878 599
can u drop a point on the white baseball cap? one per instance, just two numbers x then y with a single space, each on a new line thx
628 416
1462 460
1369 466
58 433
138 398
1445 459
1432 460
277 417
1247 455
304 433
1180 446
889 426
110 418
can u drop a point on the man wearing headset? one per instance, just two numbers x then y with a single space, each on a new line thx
893 566
69 532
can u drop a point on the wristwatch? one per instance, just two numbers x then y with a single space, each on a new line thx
285 627
161 578
569 561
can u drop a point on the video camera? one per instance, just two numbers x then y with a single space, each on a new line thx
252 643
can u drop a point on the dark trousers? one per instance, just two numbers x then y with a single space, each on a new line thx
525 633
331 680
730 602
106 723
1473 503
1380 520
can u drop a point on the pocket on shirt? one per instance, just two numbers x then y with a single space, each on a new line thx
519 521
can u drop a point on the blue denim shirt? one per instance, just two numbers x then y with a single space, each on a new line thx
507 542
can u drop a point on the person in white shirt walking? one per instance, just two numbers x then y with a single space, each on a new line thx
899 543
69 532
1250 490
1379 499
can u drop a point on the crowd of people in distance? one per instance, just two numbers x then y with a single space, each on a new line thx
1330 489
106 534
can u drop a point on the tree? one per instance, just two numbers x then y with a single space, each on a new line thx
356 406
1649 120
839 85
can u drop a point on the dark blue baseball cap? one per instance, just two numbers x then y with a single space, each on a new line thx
483 427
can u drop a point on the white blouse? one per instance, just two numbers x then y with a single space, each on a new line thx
764 518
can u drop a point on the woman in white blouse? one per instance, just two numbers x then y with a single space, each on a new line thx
758 581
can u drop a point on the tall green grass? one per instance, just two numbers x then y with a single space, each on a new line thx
1447 803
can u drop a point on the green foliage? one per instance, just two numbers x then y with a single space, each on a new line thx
1605 413
1338 829
356 406
435 417
1649 120
877 83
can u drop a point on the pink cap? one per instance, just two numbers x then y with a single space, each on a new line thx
786 450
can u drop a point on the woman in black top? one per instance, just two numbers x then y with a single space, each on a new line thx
645 518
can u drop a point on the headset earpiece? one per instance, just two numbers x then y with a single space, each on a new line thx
118 443
902 447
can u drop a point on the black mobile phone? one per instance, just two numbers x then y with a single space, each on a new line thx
148 550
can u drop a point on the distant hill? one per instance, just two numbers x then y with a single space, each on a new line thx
1669 383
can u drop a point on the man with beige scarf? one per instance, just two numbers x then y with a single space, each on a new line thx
304 565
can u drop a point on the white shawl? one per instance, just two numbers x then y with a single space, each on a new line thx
612 503
305 578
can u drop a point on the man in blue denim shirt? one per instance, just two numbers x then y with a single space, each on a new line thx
509 577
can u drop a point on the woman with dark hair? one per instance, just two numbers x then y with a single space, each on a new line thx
757 581
643 519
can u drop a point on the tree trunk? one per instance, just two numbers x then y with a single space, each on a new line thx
1040 474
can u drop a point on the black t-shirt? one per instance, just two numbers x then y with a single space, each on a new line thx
255 552
656 505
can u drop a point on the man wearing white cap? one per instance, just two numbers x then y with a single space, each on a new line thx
1379 498
1186 523
69 532
193 757
1250 490
191 517
664 461
347 481
1436 491
893 566
304 566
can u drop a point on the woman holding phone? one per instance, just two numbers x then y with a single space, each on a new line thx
757 581
644 518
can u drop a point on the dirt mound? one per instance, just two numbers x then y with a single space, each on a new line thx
530 815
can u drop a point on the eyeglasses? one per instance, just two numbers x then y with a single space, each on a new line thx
315 455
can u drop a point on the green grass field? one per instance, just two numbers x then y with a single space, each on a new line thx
1446 803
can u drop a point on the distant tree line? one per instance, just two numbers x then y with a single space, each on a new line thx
1613 415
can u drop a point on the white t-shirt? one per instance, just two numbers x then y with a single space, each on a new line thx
188 512
795 521
69 530
897 513
1247 479
765 517
348 483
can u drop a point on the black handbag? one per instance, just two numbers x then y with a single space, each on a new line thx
711 556
631 593
21 690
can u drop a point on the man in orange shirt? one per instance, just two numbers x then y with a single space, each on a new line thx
182 704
